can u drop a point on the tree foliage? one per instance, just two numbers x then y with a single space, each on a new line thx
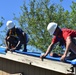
1 21
35 18
73 16
1 31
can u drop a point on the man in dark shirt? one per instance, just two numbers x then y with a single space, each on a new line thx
13 43
17 32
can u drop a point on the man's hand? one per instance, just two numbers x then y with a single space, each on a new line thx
13 49
7 49
63 57
42 56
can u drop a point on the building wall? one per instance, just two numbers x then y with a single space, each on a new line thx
8 67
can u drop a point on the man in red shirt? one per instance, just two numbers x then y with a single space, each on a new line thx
65 36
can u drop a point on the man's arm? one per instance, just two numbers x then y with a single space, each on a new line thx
7 34
16 47
49 49
68 46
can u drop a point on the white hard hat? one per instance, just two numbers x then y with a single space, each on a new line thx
51 27
10 24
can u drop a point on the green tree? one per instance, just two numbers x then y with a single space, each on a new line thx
1 31
1 21
72 21
35 18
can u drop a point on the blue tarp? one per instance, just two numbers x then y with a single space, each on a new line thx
35 54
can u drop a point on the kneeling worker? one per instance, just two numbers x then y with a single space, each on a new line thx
65 35
17 32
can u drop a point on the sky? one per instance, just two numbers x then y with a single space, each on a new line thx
8 7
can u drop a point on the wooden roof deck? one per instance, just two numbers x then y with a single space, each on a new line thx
57 66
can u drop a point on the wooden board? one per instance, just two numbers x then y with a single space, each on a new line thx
35 61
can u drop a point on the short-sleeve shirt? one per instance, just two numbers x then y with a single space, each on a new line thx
65 33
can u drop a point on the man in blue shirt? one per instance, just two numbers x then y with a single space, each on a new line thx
13 43
17 32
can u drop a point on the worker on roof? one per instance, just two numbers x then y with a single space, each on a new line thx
65 36
13 43
17 32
